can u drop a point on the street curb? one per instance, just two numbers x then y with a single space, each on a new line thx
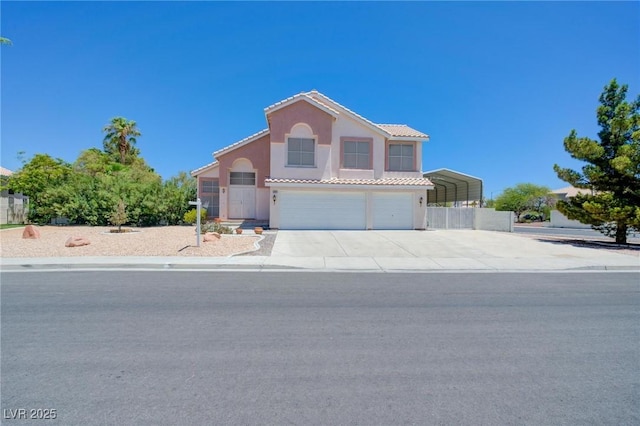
168 266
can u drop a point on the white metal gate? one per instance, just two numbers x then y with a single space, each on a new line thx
449 218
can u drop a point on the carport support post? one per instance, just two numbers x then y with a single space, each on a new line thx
198 205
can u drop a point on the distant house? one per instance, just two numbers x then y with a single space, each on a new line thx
5 172
559 220
570 191
13 207
319 165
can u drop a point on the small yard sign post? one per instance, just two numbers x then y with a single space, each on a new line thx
198 205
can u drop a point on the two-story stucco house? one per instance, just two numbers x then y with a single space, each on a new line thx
319 165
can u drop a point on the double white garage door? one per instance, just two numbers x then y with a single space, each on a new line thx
345 210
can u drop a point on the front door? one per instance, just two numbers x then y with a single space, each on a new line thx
242 202
242 195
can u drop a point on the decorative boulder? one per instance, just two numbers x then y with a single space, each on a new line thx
211 236
76 242
30 232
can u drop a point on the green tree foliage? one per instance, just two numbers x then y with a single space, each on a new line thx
38 179
523 197
176 194
612 172
88 191
4 40
120 139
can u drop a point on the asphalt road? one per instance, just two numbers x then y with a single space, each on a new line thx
182 348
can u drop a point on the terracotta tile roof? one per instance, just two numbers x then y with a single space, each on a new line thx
290 98
241 142
319 96
5 172
402 130
305 96
336 181
324 102
398 130
206 166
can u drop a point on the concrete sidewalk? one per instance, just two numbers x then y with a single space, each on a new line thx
379 251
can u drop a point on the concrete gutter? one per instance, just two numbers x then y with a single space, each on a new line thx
316 264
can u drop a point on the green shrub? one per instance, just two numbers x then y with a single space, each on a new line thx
190 216
215 227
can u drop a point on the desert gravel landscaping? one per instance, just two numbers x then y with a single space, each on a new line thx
156 241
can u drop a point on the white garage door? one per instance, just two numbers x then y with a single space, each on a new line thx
322 210
392 211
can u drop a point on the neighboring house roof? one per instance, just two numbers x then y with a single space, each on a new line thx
338 181
204 168
571 191
452 186
5 172
242 142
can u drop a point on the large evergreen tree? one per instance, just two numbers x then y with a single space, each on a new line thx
612 172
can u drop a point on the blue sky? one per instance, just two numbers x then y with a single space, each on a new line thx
497 86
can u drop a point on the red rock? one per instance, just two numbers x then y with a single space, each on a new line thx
211 236
30 232
76 242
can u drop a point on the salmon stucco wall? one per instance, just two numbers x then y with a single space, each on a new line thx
258 152
281 121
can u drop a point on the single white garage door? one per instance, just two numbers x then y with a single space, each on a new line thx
392 210
322 210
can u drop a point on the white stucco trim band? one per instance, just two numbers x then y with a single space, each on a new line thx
360 187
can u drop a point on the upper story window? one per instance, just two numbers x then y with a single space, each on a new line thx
242 178
401 157
356 154
301 152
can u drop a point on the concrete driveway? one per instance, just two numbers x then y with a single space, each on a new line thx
441 249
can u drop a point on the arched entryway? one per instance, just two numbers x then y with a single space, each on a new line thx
242 190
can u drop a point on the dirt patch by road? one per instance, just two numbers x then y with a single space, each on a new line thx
156 241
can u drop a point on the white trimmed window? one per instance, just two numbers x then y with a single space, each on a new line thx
356 155
242 178
301 152
210 196
401 157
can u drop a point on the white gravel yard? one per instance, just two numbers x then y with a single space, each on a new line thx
158 241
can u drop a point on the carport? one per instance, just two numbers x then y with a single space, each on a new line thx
460 189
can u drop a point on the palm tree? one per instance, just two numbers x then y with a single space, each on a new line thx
120 137
4 40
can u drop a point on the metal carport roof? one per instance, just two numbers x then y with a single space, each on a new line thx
453 187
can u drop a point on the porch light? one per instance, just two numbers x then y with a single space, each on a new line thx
274 198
